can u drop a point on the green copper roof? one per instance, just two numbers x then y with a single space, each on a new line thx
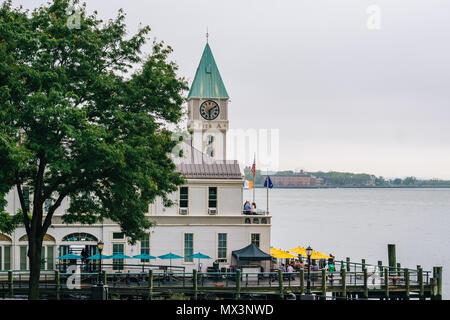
207 82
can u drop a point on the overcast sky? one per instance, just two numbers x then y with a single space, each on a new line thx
344 97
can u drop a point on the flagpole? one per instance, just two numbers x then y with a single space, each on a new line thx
267 183
254 174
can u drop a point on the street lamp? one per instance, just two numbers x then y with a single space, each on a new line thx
100 249
308 284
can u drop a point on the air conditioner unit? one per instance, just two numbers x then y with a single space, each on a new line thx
212 211
183 211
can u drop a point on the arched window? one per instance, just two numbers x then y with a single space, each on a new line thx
5 252
80 236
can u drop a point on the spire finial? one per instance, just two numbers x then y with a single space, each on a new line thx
207 35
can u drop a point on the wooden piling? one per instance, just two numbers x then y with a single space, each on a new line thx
150 284
324 284
363 264
421 286
437 275
280 282
407 282
392 260
366 286
195 283
344 282
347 263
380 267
302 281
433 289
238 284
10 284
386 283
104 278
58 285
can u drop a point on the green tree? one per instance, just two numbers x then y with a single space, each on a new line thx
84 115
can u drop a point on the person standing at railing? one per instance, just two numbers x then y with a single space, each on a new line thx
331 269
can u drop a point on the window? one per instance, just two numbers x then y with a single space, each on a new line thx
184 197
26 197
50 257
145 246
212 197
222 247
255 238
188 246
23 258
79 237
118 235
6 258
117 249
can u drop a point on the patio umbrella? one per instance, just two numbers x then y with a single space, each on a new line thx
199 256
119 256
144 256
97 257
314 256
280 254
69 256
170 256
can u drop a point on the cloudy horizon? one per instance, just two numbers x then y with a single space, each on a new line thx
343 96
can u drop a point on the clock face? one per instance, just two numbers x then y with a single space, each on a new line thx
209 110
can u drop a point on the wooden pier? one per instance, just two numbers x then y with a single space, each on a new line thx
351 280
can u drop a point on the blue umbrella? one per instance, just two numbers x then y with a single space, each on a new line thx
199 256
144 256
170 256
97 257
70 256
119 256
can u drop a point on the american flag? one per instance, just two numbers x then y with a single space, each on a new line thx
254 167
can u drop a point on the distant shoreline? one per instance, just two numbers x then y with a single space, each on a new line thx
358 187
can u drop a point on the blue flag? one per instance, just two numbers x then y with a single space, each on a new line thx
270 183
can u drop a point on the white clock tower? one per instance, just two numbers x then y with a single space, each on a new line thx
208 108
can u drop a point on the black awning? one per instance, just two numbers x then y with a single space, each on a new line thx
250 252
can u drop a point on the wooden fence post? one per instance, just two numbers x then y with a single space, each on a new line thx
58 285
150 284
104 278
406 275
280 282
324 284
421 286
386 283
194 276
366 287
302 281
238 284
380 268
438 276
11 284
363 264
344 283
347 261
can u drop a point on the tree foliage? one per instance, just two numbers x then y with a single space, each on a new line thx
85 114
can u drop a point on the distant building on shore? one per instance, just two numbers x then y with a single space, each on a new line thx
298 179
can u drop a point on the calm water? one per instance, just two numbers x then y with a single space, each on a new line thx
359 223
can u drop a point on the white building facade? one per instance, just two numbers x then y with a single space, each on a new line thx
206 218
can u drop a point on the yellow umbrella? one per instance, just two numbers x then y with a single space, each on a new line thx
280 254
314 255
299 250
